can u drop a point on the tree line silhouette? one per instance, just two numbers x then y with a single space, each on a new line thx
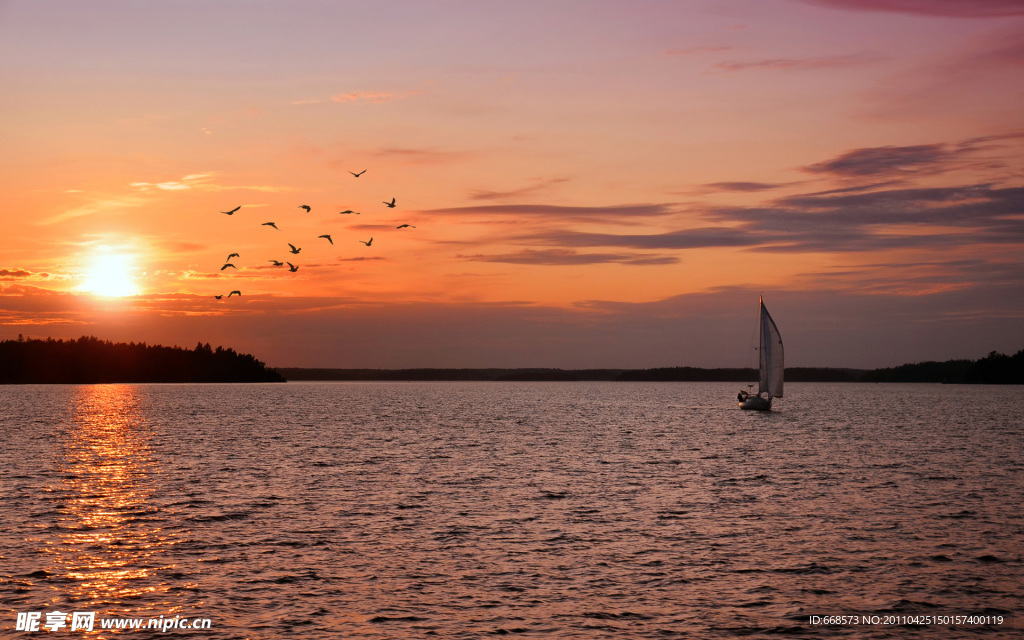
89 360
995 368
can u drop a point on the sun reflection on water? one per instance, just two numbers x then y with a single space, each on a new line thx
109 540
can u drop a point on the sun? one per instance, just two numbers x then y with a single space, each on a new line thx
110 276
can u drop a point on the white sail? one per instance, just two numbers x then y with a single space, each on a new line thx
772 364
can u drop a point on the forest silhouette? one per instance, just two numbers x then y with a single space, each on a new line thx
89 360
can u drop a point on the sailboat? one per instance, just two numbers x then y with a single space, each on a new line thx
771 366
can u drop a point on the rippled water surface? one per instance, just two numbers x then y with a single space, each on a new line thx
534 510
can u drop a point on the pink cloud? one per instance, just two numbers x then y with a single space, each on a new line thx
371 97
798 64
687 51
946 8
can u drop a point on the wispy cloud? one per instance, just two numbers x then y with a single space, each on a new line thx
361 259
839 221
195 180
949 83
797 64
98 205
700 238
744 186
894 164
918 278
947 8
412 155
875 161
530 190
203 182
563 213
371 97
982 143
564 257
696 50
898 218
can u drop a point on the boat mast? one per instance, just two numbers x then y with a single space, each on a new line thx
762 354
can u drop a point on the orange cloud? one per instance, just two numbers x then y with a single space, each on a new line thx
371 97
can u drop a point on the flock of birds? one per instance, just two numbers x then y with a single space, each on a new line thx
295 250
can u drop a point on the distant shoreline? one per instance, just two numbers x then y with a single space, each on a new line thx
89 360
993 369
672 374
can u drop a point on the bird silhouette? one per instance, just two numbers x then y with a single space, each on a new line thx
346 211
228 265
233 255
391 205
304 206
292 267
232 212
277 263
328 238
367 243
402 226
235 292
358 174
269 224
294 250
219 297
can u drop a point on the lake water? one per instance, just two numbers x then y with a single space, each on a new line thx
533 510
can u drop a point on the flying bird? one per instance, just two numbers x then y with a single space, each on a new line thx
391 205
346 211
234 292
232 212
228 265
294 250
367 243
304 206
269 224
219 297
233 255
402 226
277 263
292 267
328 238
358 174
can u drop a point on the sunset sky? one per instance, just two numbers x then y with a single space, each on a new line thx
591 183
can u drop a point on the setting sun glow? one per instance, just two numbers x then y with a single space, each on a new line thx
109 276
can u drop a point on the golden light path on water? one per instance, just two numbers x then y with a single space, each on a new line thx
109 547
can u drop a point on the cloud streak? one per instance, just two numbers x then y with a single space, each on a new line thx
371 97
945 8
875 161
202 182
517 193
838 221
563 257
796 64
744 187
562 213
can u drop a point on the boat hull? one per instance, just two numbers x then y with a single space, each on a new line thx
756 403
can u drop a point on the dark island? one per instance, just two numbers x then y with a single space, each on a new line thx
89 360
